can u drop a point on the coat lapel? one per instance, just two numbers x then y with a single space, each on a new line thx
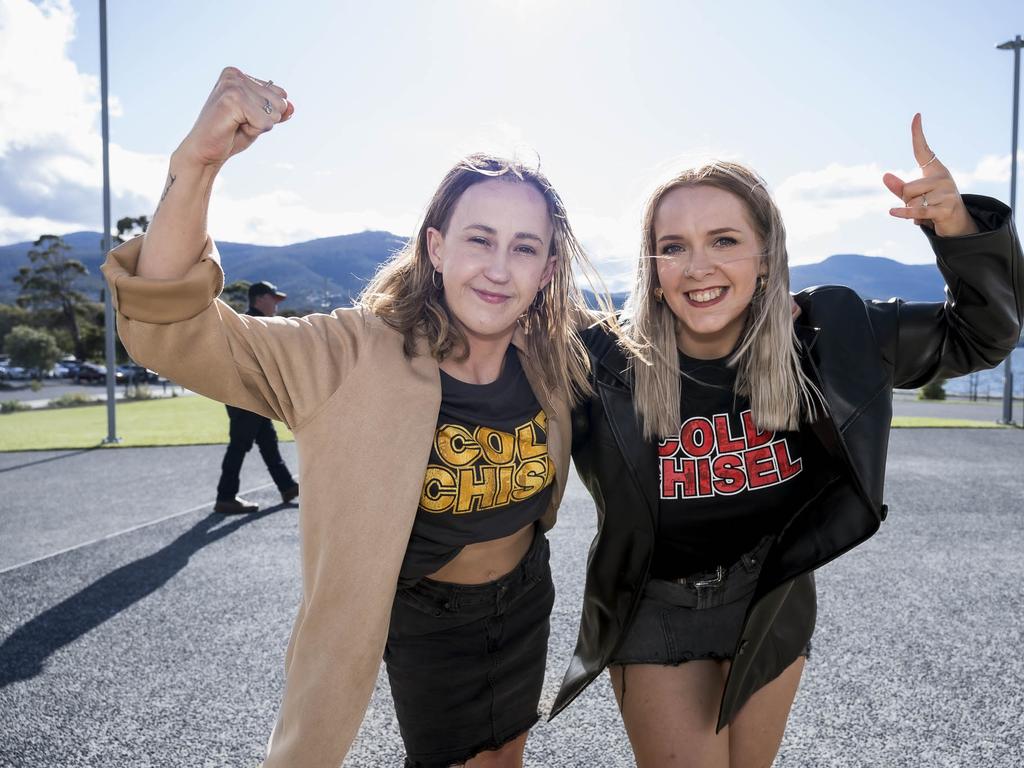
614 385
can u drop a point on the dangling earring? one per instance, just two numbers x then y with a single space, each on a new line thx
437 280
759 285
538 301
659 295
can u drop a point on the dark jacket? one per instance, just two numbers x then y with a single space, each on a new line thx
856 352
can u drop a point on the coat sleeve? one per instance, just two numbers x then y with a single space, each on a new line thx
280 367
979 323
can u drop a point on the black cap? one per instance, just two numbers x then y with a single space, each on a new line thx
263 287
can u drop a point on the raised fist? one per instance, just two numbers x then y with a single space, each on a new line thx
239 109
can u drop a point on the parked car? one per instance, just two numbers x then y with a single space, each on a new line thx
66 368
14 373
91 373
60 371
137 374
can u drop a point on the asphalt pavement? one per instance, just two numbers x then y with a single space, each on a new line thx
156 635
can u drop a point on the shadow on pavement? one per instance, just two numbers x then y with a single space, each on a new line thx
24 653
64 455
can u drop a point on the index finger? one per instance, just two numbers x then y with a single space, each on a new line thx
922 152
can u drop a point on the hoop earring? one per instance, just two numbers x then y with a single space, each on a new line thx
760 283
538 305
659 295
434 280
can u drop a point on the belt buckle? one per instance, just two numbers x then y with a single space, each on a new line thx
719 576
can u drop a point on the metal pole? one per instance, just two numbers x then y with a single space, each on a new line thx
1014 45
109 304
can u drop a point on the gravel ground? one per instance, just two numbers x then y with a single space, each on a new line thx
164 646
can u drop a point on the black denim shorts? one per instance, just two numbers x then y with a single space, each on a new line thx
466 662
699 617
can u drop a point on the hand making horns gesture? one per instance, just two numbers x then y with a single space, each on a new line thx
933 200
239 109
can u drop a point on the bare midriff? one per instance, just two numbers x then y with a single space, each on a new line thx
487 560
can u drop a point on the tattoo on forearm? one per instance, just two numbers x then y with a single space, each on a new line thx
170 183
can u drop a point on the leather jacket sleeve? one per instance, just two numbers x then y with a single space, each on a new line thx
979 323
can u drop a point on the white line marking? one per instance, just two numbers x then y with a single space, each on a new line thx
121 533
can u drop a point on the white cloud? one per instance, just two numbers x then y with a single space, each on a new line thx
990 169
51 171
50 150
281 217
815 203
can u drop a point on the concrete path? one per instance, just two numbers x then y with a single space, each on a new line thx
163 645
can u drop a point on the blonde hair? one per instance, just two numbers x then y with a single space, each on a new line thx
403 293
766 359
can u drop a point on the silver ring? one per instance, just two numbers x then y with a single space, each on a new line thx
930 161
267 107
924 200
269 83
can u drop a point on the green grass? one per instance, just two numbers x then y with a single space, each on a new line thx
928 421
194 420
189 420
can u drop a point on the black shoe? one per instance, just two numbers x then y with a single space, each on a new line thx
290 493
235 506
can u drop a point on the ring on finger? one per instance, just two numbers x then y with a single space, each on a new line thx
924 201
267 107
271 82
930 161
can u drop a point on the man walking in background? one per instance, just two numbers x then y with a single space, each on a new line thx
248 428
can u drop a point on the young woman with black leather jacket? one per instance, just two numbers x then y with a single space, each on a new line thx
731 451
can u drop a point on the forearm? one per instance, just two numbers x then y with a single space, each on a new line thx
177 232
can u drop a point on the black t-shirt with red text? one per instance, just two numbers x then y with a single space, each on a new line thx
723 484
489 472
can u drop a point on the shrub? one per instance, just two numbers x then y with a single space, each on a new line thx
933 390
12 406
138 392
72 400
32 347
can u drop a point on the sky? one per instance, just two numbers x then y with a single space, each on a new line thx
611 96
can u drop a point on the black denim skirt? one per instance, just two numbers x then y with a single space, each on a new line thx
466 662
699 617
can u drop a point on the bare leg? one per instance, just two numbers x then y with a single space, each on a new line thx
509 755
670 713
756 732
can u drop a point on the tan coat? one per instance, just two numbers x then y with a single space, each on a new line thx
364 417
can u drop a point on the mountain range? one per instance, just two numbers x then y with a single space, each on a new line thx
330 271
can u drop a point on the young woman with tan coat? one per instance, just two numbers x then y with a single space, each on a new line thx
432 426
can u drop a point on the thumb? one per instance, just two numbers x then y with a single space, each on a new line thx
894 183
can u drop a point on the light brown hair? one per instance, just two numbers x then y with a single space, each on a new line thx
404 294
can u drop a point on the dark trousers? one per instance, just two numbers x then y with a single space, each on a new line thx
248 428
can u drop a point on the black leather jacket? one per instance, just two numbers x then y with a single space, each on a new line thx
856 352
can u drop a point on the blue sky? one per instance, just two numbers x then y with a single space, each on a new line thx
612 96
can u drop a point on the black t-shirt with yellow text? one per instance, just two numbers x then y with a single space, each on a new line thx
489 472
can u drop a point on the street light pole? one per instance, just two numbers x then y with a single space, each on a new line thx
1015 45
108 301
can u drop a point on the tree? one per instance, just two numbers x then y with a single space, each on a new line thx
48 284
130 226
10 316
236 295
32 348
933 390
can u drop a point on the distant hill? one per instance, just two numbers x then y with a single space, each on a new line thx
326 272
330 271
873 277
